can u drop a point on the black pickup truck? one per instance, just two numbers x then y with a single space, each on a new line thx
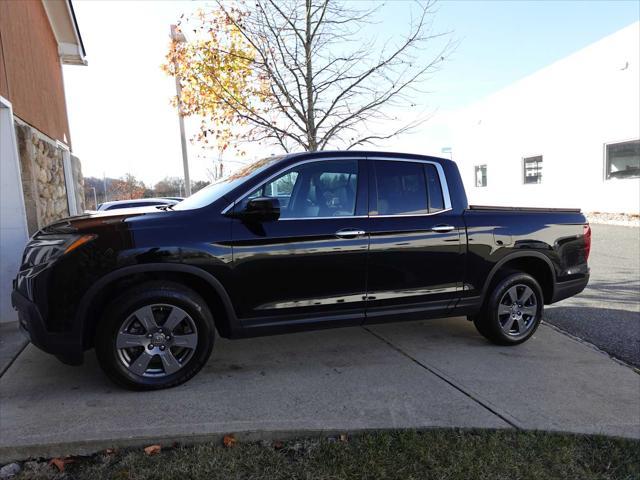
297 242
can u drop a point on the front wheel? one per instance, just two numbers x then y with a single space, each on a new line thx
155 336
512 311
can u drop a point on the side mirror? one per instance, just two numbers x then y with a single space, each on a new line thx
262 209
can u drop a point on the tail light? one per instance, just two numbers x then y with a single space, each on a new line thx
587 240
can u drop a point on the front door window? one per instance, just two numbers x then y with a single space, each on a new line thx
314 190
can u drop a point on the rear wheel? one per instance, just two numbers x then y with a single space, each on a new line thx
513 310
155 336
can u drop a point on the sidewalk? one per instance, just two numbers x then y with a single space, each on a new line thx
12 342
430 374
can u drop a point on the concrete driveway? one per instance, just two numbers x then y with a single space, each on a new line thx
438 373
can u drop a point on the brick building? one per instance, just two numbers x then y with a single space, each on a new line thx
40 179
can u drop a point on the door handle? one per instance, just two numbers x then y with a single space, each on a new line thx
442 228
350 233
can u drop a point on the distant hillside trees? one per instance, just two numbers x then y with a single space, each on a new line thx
129 187
169 187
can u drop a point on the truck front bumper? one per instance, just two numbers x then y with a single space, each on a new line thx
66 346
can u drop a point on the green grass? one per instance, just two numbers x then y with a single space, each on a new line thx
433 454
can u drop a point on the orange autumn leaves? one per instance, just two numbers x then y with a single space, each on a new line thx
219 79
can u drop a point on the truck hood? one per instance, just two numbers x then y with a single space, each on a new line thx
90 220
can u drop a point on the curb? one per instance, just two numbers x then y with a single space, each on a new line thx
91 447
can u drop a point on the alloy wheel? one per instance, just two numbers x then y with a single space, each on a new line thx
156 340
518 310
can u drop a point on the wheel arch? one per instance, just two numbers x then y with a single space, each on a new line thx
201 281
535 264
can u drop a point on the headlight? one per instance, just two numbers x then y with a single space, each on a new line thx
50 247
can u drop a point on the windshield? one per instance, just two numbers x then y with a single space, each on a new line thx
219 188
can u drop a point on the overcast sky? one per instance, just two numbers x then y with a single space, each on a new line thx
119 107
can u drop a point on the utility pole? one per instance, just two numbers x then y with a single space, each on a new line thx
95 197
104 185
177 36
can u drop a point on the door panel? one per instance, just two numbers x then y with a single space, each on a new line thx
299 264
410 264
311 263
415 259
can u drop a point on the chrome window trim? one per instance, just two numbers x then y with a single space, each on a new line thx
443 184
430 214
337 217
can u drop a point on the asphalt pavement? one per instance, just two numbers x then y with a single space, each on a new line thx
607 312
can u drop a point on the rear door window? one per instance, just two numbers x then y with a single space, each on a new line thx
400 188
405 188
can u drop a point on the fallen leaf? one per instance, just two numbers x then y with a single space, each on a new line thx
152 449
60 463
277 444
344 437
110 451
229 441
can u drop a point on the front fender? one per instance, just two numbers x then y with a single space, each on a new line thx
83 315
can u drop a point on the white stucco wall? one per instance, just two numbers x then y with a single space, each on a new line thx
565 112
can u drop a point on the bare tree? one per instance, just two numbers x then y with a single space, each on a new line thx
322 84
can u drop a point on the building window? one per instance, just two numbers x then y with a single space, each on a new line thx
532 167
481 175
623 159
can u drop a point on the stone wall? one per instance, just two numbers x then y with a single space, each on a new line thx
43 178
28 176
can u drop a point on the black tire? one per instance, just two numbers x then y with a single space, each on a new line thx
492 325
161 297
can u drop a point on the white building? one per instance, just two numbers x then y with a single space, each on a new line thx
566 136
